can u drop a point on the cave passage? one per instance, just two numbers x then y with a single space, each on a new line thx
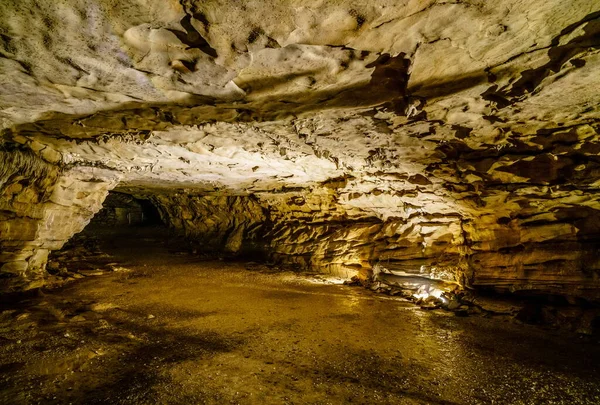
166 327
299 202
120 209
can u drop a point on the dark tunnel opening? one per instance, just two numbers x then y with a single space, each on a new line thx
150 213
123 210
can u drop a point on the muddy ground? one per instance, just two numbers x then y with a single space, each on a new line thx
167 328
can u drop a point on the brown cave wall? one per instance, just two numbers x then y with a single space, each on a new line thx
41 207
511 247
316 231
529 255
233 224
311 230
547 250
26 184
532 206
553 252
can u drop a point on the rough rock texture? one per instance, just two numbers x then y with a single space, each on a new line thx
440 140
41 207
217 222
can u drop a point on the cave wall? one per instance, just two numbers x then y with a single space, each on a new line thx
321 231
552 250
507 241
41 207
534 211
228 223
313 230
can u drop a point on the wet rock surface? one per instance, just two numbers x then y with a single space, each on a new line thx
178 330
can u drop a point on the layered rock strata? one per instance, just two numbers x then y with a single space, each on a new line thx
41 207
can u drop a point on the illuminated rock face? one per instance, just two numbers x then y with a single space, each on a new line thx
41 207
456 141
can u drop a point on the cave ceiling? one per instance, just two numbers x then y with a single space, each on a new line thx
264 95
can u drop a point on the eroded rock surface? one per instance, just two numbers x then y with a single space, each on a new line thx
42 206
453 141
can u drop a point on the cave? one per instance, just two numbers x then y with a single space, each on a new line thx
290 202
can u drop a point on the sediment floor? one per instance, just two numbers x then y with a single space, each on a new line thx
172 329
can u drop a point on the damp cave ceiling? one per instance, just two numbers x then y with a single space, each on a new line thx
257 96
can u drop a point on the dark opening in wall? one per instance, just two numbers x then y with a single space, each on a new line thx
151 216
121 209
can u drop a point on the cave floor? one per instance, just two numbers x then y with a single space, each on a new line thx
176 330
